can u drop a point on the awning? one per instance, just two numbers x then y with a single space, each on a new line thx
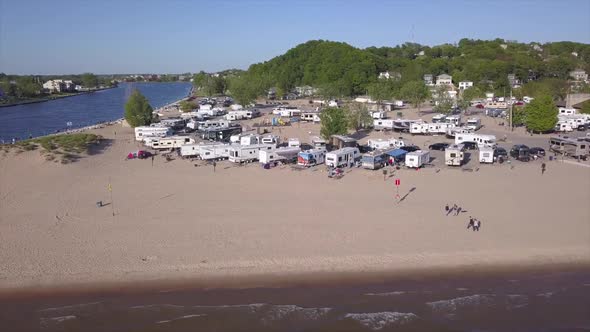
397 153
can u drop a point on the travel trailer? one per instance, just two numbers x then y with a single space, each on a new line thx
575 121
577 148
378 115
285 154
204 151
383 124
311 157
310 116
419 128
481 140
566 111
403 124
380 143
247 153
473 124
270 139
563 126
174 123
293 142
214 124
417 158
453 131
318 142
376 159
250 139
221 134
171 142
143 132
343 157
287 112
341 141
486 155
454 119
439 118
242 114
497 104
430 128
454 155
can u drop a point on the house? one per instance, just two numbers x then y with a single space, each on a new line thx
465 85
503 46
428 79
444 79
387 75
57 86
579 75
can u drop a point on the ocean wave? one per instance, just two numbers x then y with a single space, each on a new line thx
546 294
380 320
515 301
157 306
251 308
451 305
394 293
179 318
283 311
56 320
69 307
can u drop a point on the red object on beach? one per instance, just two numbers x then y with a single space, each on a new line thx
397 182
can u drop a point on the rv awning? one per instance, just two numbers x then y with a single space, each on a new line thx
397 153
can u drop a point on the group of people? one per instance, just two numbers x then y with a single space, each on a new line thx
474 224
453 209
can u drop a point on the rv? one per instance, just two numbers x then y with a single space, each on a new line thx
294 142
286 111
378 115
481 140
454 155
486 155
563 126
311 157
473 123
380 143
247 153
343 157
430 128
497 104
214 151
310 116
438 118
453 131
240 115
221 134
566 111
172 142
143 132
376 159
417 159
454 119
577 148
383 124
214 124
286 154
340 141
250 139
174 123
419 128
404 125
270 139
318 142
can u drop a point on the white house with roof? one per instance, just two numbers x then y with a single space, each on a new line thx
428 79
56 86
465 85
387 75
579 75
444 79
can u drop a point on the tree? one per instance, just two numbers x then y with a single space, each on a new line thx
358 116
415 92
518 116
443 101
334 122
541 114
187 106
379 91
138 111
245 90
89 80
585 107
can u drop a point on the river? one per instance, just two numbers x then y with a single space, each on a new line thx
83 110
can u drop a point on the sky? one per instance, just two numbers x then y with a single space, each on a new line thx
177 36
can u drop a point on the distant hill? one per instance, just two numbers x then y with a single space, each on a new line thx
349 70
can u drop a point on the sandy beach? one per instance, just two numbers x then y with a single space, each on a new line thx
175 220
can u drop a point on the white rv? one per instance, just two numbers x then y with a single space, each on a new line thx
473 123
481 140
378 115
438 118
417 158
280 154
144 132
247 153
270 139
214 124
419 128
318 142
454 155
379 143
172 142
454 119
294 142
311 157
383 124
310 116
453 131
486 155
241 115
567 111
564 126
342 157
286 111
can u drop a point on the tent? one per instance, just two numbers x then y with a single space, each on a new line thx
397 154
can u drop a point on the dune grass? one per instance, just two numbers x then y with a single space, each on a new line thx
67 146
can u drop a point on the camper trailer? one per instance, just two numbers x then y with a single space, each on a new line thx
383 124
174 123
439 118
310 116
378 115
318 142
453 131
287 112
171 142
340 141
454 155
563 126
294 142
404 125
566 111
247 153
417 159
454 119
481 140
577 148
221 134
343 157
214 124
473 124
285 154
204 151
376 159
143 132
380 143
311 157
419 128
486 155
242 114
270 139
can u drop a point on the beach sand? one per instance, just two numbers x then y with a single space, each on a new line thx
178 221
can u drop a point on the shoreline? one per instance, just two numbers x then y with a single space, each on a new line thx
43 100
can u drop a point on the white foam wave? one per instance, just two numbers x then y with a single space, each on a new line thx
546 294
515 301
279 312
394 293
452 305
68 307
56 320
146 306
380 320
252 307
179 318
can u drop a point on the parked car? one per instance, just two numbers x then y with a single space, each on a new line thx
439 146
469 146
480 106
500 152
140 154
537 151
520 152
410 148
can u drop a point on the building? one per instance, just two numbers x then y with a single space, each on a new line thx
428 79
579 75
444 79
465 85
57 86
387 75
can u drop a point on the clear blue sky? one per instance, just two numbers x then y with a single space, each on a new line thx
173 36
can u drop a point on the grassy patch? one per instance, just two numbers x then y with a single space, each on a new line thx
68 146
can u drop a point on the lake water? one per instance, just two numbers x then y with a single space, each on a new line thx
83 110
546 300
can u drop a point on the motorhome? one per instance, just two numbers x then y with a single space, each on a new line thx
242 114
404 124
454 119
380 143
310 116
577 148
454 155
294 142
383 124
378 115
247 153
287 111
213 124
566 111
473 123
270 139
563 126
143 132
341 141
318 142
285 154
486 155
174 123
453 131
376 159
417 158
214 151
311 157
481 140
221 134
171 142
438 118
343 157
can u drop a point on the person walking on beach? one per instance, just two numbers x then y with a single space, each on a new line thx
471 223
543 167
214 165
458 211
477 225
152 160
447 209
